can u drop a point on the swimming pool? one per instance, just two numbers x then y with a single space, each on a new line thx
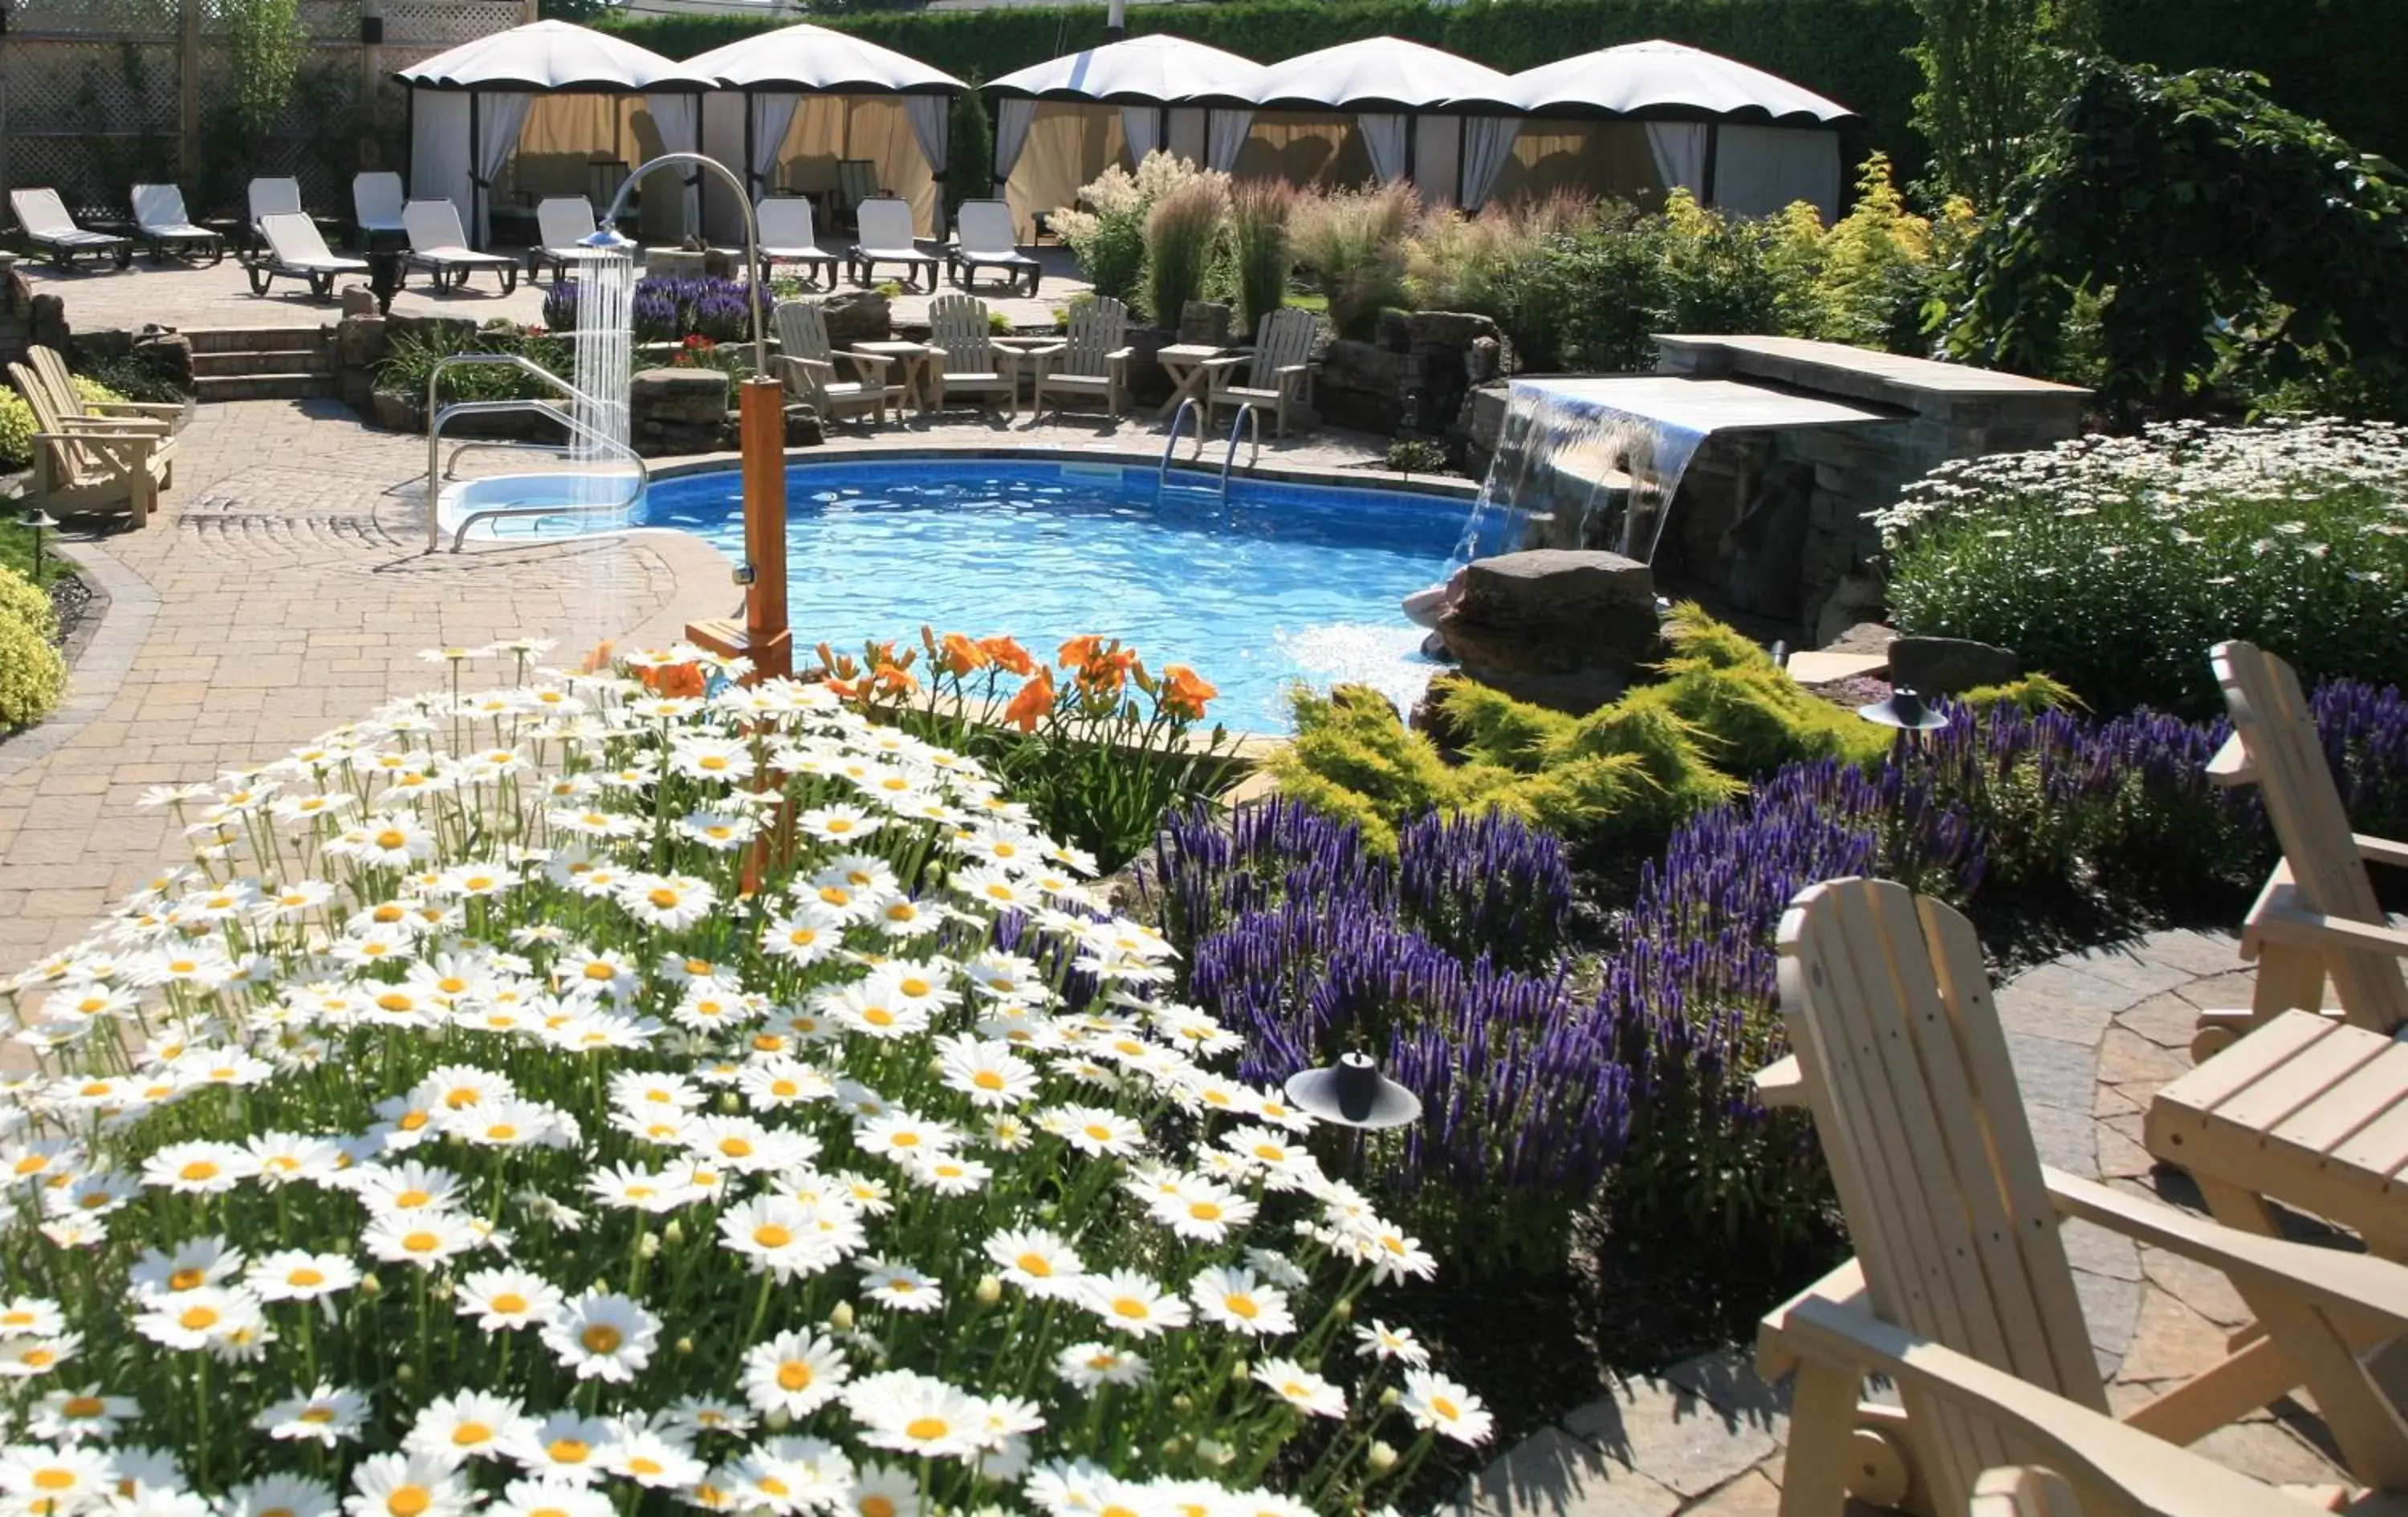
1282 582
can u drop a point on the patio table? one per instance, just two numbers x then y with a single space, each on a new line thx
1185 363
914 364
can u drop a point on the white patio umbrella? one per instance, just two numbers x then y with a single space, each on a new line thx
1393 89
1733 135
468 106
770 76
1155 70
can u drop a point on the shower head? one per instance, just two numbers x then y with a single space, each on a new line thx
604 239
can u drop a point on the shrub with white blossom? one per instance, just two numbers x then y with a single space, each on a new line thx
589 1096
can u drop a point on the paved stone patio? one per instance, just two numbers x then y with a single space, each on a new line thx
2093 1035
173 294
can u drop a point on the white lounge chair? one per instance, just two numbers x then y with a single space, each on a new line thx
886 237
807 365
159 216
1277 375
562 223
376 199
967 356
43 220
1090 361
440 245
273 197
982 238
787 237
295 250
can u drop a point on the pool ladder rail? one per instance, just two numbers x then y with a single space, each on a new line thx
440 469
1246 418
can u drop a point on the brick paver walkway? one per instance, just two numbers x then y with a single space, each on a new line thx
2093 1035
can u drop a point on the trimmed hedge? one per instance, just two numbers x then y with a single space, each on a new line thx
2331 59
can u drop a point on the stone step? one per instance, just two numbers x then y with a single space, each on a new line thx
219 365
263 387
251 339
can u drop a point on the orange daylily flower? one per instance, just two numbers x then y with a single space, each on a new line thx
1079 651
1107 672
1035 701
673 680
1184 692
960 655
598 660
894 680
1008 655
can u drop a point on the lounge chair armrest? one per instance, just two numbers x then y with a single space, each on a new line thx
1780 1083
2350 1287
2135 1472
2381 850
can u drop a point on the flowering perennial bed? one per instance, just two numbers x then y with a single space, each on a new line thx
461 1132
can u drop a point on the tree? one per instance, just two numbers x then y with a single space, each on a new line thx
2218 233
969 151
1992 72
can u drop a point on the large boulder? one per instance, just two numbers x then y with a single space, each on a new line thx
677 410
857 316
1204 323
1564 627
1949 666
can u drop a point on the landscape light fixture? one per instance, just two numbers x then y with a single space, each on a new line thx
1905 710
1352 1093
39 520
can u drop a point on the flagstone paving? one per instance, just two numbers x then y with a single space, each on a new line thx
2093 1035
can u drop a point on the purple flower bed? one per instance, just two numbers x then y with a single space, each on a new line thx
669 309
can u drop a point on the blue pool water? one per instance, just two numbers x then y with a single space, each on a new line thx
1282 584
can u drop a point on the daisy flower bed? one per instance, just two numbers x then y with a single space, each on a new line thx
484 1122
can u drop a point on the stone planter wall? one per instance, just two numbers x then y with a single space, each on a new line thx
1412 378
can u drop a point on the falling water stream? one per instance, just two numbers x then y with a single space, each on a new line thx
1578 472
598 447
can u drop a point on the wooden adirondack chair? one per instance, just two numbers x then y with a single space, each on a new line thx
2162 1487
967 356
807 365
1277 375
81 466
2317 918
1955 1222
1092 360
120 415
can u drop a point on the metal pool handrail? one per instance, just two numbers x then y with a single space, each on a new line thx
438 414
1178 420
1253 425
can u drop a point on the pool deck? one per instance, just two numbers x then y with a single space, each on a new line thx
284 587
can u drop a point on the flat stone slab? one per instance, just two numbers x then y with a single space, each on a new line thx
1697 407
1553 1474
1819 668
1679 1440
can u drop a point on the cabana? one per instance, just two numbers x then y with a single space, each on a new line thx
793 103
537 110
1371 111
1060 123
1634 121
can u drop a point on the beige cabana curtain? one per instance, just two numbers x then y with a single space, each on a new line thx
828 129
565 136
1598 159
1069 143
1304 147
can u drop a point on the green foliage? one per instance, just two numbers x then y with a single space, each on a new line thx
410 360
969 152
2114 563
128 377
1108 233
1416 455
1260 258
33 676
1182 230
1353 243
1630 772
1993 70
17 429
2230 245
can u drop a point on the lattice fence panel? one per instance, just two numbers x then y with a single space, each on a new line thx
446 23
146 20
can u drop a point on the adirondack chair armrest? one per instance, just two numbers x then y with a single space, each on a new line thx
125 452
2230 765
2279 919
2381 851
871 367
2350 1287
1780 1083
114 427
1227 361
1844 1287
817 368
1051 349
2120 1470
136 408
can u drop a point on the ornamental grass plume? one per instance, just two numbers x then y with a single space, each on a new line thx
1351 241
482 1118
1260 256
1182 233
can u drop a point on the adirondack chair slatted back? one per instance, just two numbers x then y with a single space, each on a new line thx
984 226
77 464
957 327
41 212
802 329
564 221
433 224
159 205
1905 1064
1097 328
1286 340
785 222
884 223
56 379
2278 731
378 197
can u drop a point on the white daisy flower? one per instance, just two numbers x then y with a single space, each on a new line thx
796 1373
299 1275
1236 1299
602 1336
501 1299
1086 1366
1439 1404
563 1447
470 1424
898 1285
1301 1388
327 1415
406 1485
1132 1303
1377 1339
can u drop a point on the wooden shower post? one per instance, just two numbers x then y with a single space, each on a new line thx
765 637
